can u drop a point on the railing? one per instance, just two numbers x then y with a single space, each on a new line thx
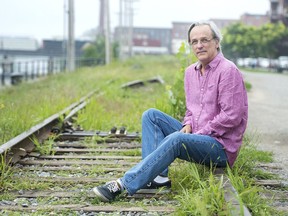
12 73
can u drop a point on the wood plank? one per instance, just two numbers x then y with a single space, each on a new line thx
69 179
88 150
64 194
87 208
66 168
269 182
74 163
106 145
89 157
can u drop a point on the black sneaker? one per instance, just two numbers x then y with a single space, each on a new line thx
156 185
108 191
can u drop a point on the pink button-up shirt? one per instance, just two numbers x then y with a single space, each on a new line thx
216 103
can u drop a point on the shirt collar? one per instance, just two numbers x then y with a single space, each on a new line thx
213 63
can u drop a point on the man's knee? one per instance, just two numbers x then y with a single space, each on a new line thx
149 113
175 137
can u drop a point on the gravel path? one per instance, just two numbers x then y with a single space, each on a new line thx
268 114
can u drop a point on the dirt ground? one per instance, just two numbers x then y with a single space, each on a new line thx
268 115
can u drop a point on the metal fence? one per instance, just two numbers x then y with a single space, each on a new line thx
16 71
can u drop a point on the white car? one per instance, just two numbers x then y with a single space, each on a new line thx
282 63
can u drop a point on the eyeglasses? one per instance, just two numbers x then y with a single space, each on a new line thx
203 41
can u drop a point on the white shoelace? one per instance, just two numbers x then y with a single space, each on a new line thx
113 187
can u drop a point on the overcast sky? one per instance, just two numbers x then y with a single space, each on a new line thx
44 19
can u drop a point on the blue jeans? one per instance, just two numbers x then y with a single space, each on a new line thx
162 143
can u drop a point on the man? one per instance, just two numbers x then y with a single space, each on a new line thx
213 127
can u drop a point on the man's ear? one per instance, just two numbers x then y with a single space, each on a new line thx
217 44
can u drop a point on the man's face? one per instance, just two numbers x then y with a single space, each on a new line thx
203 44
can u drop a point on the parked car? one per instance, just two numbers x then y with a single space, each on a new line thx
263 62
282 63
247 62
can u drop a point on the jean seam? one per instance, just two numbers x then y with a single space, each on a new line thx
153 162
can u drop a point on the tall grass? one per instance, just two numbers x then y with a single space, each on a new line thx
27 104
6 172
201 193
117 106
203 196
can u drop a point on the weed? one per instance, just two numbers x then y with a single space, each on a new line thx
45 148
7 196
6 172
132 152
202 193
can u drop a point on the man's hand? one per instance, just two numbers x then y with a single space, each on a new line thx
186 129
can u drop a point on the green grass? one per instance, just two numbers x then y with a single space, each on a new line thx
6 172
198 191
45 148
25 105
201 193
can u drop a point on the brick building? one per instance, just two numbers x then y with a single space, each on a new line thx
279 11
145 40
255 19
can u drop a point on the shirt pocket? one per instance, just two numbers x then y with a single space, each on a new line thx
211 89
210 96
211 86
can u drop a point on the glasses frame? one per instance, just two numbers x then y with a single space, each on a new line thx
203 41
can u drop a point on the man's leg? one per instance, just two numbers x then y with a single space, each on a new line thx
156 125
191 147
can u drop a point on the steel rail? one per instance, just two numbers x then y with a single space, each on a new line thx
22 144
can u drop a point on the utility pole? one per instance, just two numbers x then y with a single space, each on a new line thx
101 27
126 27
107 32
130 26
64 44
120 32
70 66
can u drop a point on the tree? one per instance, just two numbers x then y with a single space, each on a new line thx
241 41
94 53
272 37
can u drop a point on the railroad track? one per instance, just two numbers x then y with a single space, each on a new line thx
68 176
57 177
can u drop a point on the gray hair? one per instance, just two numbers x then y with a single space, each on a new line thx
215 31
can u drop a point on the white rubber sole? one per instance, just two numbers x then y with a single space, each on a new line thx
100 195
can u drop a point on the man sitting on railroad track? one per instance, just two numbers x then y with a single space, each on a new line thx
213 127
